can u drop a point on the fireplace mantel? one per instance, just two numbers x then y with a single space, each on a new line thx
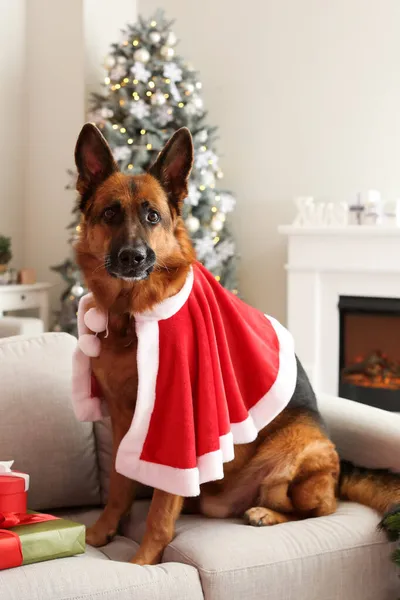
325 263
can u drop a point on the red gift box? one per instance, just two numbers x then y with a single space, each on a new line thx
13 497
13 512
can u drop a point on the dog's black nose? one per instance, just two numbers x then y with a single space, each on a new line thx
131 257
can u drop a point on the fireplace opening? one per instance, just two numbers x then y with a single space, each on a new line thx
369 360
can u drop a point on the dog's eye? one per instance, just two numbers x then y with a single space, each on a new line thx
153 217
109 214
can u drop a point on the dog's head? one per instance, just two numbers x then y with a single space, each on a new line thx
131 224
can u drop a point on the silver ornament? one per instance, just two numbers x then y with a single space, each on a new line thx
155 37
109 62
171 39
77 290
106 113
141 55
217 223
192 223
167 52
121 60
158 99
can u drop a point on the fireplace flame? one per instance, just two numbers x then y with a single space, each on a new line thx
375 370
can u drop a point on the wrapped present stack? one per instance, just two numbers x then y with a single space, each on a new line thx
27 537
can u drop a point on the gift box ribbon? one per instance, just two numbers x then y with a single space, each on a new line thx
10 544
5 469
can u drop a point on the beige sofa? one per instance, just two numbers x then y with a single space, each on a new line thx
341 557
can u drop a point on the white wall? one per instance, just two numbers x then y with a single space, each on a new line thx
55 112
307 97
12 121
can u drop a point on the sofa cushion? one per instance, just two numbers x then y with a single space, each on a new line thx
38 428
340 557
363 434
20 326
92 576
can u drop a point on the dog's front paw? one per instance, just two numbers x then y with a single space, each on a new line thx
99 535
262 517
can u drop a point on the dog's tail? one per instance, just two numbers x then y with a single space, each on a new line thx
379 489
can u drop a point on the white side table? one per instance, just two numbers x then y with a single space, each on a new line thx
21 296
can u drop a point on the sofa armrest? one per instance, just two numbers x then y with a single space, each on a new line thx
364 435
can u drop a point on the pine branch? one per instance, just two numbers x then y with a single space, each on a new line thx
390 524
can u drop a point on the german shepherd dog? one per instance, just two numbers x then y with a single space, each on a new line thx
134 251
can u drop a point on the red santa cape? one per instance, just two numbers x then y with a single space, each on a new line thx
212 371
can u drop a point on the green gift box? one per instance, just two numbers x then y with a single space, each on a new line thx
37 542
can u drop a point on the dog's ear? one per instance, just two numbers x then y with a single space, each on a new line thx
93 159
173 165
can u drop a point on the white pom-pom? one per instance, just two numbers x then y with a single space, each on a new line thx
95 320
90 345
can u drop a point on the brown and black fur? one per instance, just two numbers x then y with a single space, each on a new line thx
292 470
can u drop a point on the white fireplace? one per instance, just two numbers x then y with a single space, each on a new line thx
324 264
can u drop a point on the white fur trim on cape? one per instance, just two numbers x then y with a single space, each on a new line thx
85 407
169 307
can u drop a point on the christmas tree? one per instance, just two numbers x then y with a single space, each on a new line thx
149 93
